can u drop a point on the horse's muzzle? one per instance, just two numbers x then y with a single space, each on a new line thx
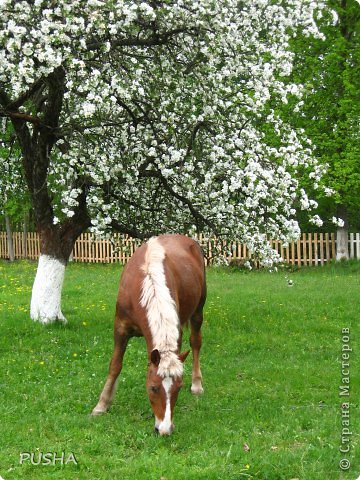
164 432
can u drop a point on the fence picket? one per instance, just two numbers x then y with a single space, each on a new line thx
310 244
322 248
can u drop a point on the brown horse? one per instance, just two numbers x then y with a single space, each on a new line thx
162 289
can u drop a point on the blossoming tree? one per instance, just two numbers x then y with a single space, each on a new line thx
145 117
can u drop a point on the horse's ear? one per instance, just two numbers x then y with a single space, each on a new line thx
155 357
183 356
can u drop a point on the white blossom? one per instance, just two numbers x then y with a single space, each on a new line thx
338 222
316 220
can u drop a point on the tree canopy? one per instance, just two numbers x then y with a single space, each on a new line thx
148 117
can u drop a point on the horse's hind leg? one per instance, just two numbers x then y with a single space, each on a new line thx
195 342
115 367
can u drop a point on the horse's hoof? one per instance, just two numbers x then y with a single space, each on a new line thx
96 412
197 390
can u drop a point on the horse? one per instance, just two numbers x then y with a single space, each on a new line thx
162 290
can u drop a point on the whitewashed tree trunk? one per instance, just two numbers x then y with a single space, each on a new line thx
342 252
46 293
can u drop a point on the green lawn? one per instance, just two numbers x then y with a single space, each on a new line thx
271 363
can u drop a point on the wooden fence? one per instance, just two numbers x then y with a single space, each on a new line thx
311 249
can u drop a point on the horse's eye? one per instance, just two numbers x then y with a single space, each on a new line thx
154 389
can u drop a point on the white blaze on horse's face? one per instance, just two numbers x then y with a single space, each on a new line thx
163 393
166 426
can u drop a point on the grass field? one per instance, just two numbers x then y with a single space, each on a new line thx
271 363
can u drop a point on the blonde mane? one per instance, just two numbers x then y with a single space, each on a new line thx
161 310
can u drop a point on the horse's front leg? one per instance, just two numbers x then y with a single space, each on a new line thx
115 367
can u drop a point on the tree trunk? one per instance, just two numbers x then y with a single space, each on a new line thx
56 241
342 250
56 245
45 304
9 239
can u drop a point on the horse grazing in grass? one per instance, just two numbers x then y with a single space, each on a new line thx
162 289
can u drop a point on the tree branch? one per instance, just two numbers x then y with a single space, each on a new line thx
15 104
4 99
154 40
74 226
194 212
132 231
56 89
128 110
22 116
196 129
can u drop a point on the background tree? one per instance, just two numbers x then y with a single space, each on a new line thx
14 200
145 118
330 112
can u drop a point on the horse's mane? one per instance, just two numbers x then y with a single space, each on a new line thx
161 310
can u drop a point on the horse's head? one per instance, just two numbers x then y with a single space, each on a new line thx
163 384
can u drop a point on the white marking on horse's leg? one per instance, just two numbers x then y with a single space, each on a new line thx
106 397
196 387
166 426
46 293
115 368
